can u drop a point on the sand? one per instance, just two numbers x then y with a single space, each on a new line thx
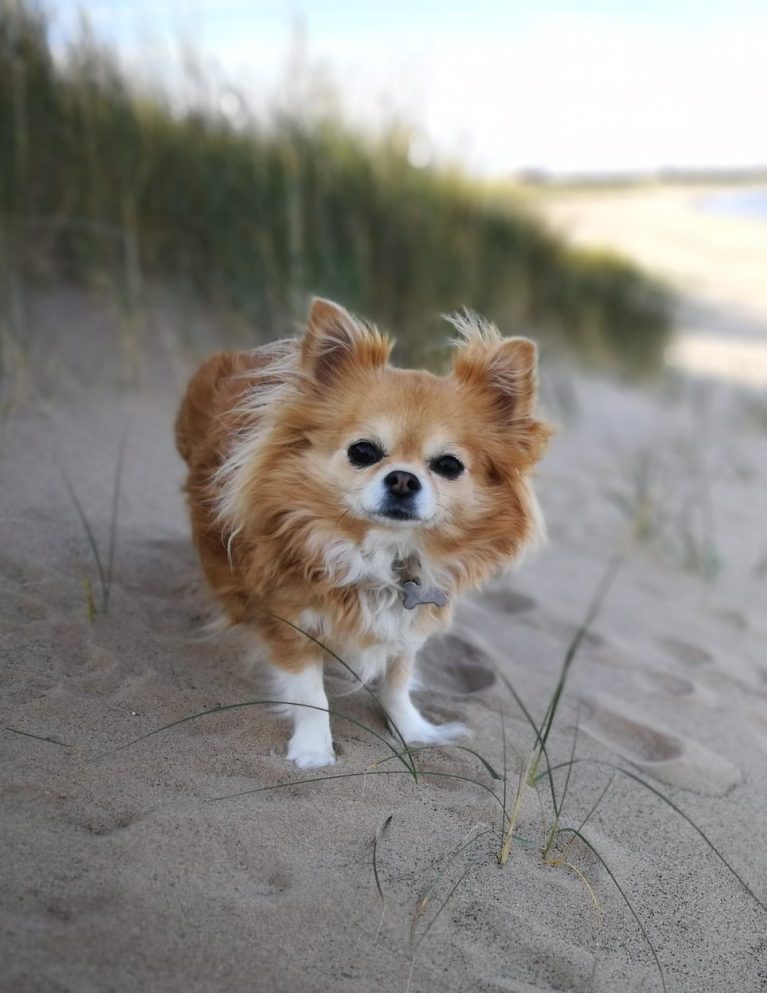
120 874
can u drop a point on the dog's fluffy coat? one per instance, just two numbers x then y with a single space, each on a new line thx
290 532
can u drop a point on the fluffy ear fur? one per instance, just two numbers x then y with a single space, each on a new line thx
506 367
335 340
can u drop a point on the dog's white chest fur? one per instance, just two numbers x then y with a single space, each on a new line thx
370 566
384 616
380 588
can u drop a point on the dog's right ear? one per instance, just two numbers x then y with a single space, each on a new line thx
336 342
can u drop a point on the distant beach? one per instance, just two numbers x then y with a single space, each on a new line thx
750 202
710 244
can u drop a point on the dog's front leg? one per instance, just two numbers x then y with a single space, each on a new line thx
404 717
311 744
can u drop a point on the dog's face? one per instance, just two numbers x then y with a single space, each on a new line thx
395 449
399 453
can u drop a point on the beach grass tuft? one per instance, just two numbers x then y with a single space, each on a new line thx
104 566
430 905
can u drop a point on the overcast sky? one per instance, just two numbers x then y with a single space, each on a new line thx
558 84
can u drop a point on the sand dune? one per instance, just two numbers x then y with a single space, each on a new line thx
119 873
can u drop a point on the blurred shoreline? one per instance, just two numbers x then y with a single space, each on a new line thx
750 203
716 261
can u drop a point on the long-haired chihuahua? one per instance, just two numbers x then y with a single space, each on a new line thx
339 504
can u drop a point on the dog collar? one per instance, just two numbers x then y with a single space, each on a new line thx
413 593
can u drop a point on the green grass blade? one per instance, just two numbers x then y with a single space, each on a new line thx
441 907
679 811
536 730
259 703
520 839
626 900
376 842
505 770
597 802
90 603
356 775
87 528
463 748
603 587
555 824
113 523
570 767
37 737
425 897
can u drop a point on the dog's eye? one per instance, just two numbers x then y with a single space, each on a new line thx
363 453
448 466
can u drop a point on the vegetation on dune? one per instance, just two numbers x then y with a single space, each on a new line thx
257 215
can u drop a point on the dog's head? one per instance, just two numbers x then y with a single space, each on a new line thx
445 459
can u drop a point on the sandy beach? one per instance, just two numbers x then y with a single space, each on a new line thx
717 261
120 870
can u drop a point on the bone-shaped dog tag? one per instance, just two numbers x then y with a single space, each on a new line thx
415 595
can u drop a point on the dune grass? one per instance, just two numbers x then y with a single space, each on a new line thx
671 513
96 177
38 737
558 839
104 565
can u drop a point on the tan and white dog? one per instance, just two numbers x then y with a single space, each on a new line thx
354 500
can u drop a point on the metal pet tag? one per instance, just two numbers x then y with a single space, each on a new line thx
414 595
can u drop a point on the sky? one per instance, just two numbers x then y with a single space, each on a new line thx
559 85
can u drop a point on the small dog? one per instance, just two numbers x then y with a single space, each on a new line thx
340 503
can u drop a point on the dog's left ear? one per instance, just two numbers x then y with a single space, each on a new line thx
335 342
506 368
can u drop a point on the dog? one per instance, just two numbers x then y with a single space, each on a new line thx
340 504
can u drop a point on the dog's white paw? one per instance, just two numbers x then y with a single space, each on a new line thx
308 753
417 730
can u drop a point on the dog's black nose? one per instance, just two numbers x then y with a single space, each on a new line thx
401 483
